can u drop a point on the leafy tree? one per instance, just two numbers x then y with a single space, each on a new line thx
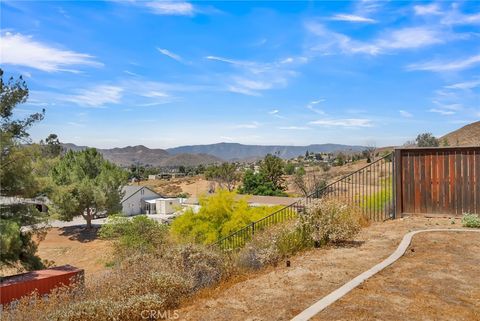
257 184
289 168
220 214
341 159
225 175
427 140
272 169
51 146
268 181
18 179
85 183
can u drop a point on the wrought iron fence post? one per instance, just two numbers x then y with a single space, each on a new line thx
253 228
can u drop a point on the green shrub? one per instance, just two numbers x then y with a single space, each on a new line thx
139 233
471 220
333 220
220 214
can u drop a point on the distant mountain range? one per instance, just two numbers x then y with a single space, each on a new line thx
208 154
154 157
235 151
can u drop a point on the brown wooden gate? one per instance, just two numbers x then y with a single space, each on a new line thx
437 181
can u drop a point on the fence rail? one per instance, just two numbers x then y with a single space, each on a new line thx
371 188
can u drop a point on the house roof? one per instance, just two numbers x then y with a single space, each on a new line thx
130 190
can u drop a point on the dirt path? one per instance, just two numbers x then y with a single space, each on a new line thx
281 293
436 279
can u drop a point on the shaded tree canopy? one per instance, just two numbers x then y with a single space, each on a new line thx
85 183
18 179
427 140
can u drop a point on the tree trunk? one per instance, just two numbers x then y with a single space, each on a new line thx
88 218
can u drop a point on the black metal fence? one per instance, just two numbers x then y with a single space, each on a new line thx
371 188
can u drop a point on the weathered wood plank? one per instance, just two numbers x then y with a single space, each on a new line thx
428 182
416 183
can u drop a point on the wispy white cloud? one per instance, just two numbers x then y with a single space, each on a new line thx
442 105
455 17
330 42
276 113
346 122
352 18
251 77
446 66
405 114
230 61
128 72
465 85
441 111
175 8
412 37
448 16
97 96
21 50
170 54
311 107
428 9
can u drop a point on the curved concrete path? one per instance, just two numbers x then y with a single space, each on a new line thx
349 286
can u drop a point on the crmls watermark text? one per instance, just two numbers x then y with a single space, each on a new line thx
159 314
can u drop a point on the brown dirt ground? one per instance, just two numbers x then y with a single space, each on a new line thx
77 247
194 186
281 293
437 279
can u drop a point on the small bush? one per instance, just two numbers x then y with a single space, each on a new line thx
274 244
200 265
138 234
333 221
471 220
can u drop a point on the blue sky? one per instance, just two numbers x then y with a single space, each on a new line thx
164 74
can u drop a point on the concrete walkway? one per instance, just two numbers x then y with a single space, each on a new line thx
349 286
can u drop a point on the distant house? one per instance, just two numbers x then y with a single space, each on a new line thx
41 203
163 206
135 199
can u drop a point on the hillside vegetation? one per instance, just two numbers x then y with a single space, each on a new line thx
468 135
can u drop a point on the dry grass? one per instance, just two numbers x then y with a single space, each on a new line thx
280 293
75 246
194 186
437 279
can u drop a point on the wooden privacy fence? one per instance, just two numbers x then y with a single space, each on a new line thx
437 181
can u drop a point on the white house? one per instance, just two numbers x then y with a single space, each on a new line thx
164 206
135 198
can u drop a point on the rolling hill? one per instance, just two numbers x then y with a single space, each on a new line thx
235 151
154 157
468 135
